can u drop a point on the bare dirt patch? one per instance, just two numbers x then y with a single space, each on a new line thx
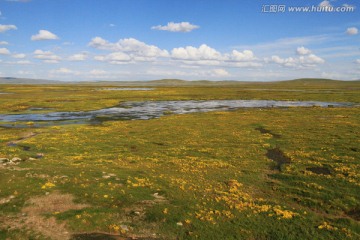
33 215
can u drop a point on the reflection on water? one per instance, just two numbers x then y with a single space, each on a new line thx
155 109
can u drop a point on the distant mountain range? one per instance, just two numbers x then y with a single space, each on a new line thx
167 82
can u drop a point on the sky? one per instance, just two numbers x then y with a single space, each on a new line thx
121 40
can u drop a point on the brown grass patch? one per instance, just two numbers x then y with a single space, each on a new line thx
33 215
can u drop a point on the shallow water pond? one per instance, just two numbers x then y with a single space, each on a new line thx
153 109
126 89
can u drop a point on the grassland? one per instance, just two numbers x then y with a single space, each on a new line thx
277 173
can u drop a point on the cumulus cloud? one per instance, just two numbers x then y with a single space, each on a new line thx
352 31
19 55
4 51
46 56
304 61
204 52
244 56
4 28
286 62
78 57
4 43
176 27
311 59
114 58
127 49
302 51
44 35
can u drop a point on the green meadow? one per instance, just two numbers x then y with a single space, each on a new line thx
250 173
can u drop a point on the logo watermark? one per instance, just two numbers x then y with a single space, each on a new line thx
279 8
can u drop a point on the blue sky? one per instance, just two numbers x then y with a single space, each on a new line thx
249 40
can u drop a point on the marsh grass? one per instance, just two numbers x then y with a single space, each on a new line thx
195 176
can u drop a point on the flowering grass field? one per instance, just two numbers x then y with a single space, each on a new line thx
269 173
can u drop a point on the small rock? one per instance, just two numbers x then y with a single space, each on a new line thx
32 159
137 213
179 224
4 160
124 227
16 160
39 155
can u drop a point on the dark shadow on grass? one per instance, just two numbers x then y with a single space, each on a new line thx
105 236
319 170
95 236
264 131
354 213
279 157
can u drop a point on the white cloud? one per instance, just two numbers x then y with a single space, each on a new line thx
112 25
244 56
21 72
21 62
304 61
302 51
357 61
78 57
100 43
311 60
127 49
19 55
204 52
4 28
97 72
286 45
4 51
4 43
286 62
46 56
219 72
114 58
44 35
176 27
352 31
325 4
62 71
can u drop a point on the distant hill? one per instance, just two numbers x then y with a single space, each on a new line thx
12 80
304 82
